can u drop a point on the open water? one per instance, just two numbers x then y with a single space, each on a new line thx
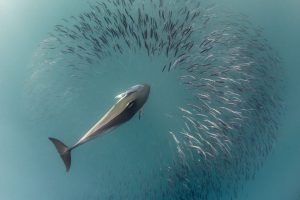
246 142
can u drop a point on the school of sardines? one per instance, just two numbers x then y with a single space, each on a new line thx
234 76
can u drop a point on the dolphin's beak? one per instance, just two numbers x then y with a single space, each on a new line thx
146 90
147 87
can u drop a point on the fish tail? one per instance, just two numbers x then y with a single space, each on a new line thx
64 152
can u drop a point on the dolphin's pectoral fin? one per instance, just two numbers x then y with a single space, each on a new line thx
141 113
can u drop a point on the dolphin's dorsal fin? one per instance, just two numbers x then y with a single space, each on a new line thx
119 96
122 95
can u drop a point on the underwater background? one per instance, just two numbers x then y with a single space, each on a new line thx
138 160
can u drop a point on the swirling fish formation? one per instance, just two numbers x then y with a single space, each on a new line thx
229 122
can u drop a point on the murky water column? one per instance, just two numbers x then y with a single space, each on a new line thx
211 118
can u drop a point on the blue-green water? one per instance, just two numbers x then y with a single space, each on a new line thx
132 156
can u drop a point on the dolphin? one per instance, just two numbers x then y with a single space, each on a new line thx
128 104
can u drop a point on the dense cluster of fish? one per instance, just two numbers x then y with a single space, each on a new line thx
230 123
105 31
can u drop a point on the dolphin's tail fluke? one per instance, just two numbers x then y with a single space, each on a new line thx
63 151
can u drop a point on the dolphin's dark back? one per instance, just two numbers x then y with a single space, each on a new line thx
124 116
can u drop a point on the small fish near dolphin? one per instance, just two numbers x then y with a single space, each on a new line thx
128 104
